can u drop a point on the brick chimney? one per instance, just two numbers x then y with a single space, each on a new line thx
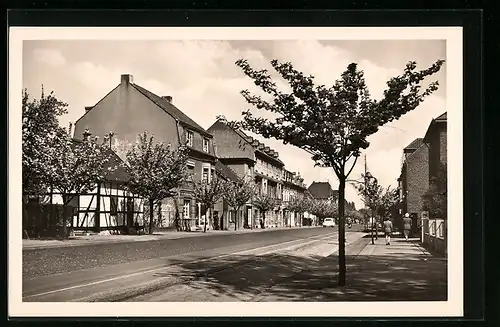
168 98
126 79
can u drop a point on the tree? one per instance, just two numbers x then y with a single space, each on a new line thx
357 216
237 195
76 167
331 123
264 202
40 127
388 199
371 193
156 171
300 204
324 209
435 199
207 193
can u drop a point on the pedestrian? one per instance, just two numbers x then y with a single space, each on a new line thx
388 230
407 222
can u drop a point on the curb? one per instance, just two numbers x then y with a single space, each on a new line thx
86 242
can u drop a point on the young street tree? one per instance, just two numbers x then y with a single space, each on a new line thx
156 171
371 193
207 193
299 205
40 128
237 195
324 209
76 167
264 202
332 123
388 199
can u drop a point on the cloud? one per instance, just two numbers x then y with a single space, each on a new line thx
204 81
48 56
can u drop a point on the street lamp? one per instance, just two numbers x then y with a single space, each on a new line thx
110 135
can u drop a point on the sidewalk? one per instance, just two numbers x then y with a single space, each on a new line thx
170 235
402 271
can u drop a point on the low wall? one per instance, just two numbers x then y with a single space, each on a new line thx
434 232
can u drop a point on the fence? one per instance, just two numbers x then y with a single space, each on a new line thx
434 235
45 220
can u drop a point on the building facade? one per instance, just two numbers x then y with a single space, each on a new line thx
129 110
293 188
254 161
108 206
422 160
436 140
414 178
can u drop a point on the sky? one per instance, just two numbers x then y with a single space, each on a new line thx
204 82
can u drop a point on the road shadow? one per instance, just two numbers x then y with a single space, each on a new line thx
284 277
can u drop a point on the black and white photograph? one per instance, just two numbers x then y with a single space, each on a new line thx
301 171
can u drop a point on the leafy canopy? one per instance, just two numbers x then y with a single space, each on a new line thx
300 203
156 170
389 198
265 202
40 129
331 122
238 194
325 209
370 191
76 166
209 192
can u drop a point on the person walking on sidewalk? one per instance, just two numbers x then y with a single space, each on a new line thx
388 230
407 222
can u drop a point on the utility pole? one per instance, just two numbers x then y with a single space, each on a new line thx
366 184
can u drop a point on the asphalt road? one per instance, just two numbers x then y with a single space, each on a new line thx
211 268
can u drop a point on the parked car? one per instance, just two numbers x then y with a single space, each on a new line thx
328 222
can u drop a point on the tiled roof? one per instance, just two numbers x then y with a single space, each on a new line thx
321 190
169 108
226 171
258 146
120 174
415 144
440 119
443 117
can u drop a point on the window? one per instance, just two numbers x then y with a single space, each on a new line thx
190 171
185 210
204 175
189 138
206 143
190 166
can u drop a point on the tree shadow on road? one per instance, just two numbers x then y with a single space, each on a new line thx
285 277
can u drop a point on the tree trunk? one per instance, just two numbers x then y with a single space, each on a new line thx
342 263
66 199
151 216
236 219
373 221
205 224
25 214
263 222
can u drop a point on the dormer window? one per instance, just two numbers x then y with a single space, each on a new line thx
189 138
206 143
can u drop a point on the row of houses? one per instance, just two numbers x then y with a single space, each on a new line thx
128 110
422 160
